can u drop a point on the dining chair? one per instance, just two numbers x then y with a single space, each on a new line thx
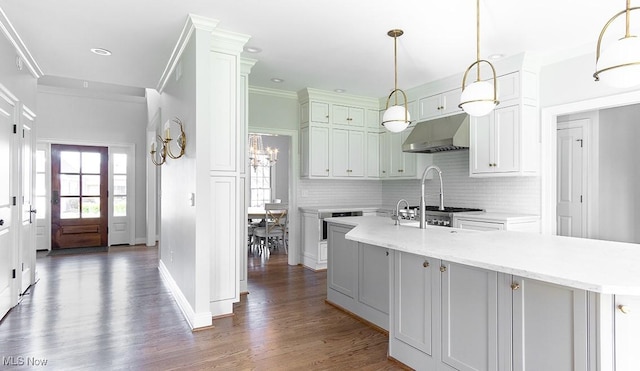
275 229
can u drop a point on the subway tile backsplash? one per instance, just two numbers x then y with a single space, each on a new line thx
509 194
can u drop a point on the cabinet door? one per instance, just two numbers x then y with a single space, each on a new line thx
373 280
385 154
320 112
469 317
409 160
356 116
480 152
430 107
319 151
450 102
373 155
627 330
340 153
396 155
507 140
549 327
373 120
342 264
414 286
478 226
340 115
304 151
356 154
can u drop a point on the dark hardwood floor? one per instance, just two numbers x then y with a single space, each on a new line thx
110 311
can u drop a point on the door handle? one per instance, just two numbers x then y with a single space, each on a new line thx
1 222
31 213
55 197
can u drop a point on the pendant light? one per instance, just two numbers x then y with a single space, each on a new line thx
619 64
396 118
480 97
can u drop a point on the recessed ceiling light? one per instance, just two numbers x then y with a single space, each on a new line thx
339 90
252 49
100 51
277 80
496 56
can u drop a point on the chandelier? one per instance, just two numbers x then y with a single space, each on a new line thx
258 155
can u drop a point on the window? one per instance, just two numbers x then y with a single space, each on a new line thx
119 184
41 184
79 185
260 185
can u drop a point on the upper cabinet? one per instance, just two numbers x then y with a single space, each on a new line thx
506 142
334 136
443 104
345 115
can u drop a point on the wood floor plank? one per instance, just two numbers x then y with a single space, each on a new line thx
113 311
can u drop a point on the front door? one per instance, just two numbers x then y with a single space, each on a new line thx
79 187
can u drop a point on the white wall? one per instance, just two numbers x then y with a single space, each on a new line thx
619 193
512 194
68 117
178 220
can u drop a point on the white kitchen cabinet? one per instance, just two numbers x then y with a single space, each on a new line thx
401 164
373 121
372 158
506 142
495 142
317 112
469 319
415 304
314 248
315 151
439 105
348 151
552 321
358 277
346 115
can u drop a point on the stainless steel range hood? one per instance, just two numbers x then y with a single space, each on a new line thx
444 134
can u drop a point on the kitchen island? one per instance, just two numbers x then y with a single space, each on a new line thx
468 300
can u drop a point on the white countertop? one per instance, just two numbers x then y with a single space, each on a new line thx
339 209
594 265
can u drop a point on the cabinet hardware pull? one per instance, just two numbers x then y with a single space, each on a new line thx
400 170
425 264
384 171
515 286
443 268
387 253
490 165
624 308
327 170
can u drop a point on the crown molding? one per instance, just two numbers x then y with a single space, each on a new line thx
23 52
273 92
246 64
193 22
228 41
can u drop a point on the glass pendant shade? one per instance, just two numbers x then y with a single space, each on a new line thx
478 99
396 119
619 64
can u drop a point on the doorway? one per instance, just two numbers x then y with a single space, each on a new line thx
79 189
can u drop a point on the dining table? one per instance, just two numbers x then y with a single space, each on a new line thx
255 212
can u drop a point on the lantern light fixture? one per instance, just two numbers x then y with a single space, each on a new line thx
619 64
396 118
480 97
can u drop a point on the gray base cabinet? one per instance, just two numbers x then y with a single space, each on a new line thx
358 277
449 316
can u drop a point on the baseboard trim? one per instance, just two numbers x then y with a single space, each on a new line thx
195 320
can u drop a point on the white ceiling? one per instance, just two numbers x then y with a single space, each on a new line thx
324 44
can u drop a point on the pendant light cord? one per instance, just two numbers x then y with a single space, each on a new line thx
628 16
478 36
395 67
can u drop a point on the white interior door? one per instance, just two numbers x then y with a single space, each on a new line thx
121 196
7 249
27 208
571 207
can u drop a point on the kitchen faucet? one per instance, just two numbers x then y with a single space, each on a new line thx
423 223
397 217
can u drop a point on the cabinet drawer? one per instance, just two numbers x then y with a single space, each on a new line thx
479 226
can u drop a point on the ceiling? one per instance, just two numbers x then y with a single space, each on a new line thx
324 44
